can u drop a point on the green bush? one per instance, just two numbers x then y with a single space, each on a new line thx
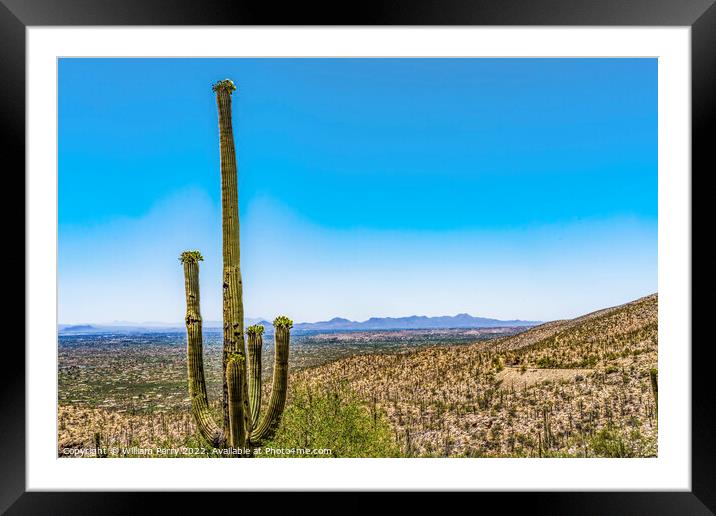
547 363
607 442
333 418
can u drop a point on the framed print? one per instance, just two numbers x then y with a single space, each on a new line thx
415 249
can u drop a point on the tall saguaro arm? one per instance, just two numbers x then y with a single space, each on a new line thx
272 417
194 353
232 287
255 343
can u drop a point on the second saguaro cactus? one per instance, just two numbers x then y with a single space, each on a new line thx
241 424
654 377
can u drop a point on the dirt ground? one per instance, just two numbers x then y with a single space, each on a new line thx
515 377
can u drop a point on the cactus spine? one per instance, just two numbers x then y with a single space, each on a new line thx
241 395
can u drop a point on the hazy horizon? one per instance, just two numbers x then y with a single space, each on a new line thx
269 319
502 188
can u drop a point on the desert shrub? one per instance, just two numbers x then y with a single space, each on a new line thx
607 442
333 417
547 362
498 363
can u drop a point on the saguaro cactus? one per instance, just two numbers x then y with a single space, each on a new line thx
241 395
654 377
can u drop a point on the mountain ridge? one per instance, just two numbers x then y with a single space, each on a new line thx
411 322
415 322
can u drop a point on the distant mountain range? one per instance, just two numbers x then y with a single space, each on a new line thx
413 322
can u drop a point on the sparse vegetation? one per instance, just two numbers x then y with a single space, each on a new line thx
491 398
332 417
462 401
332 420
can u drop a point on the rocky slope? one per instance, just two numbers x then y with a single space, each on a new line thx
578 388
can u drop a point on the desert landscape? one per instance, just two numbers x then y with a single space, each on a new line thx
422 386
583 387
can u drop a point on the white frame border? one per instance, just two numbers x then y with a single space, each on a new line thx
670 471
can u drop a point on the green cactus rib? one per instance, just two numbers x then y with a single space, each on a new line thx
255 343
195 363
271 419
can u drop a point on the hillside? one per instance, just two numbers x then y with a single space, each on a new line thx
578 387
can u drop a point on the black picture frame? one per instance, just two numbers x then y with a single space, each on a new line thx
700 15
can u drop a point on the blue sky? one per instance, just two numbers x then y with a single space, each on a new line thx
510 188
